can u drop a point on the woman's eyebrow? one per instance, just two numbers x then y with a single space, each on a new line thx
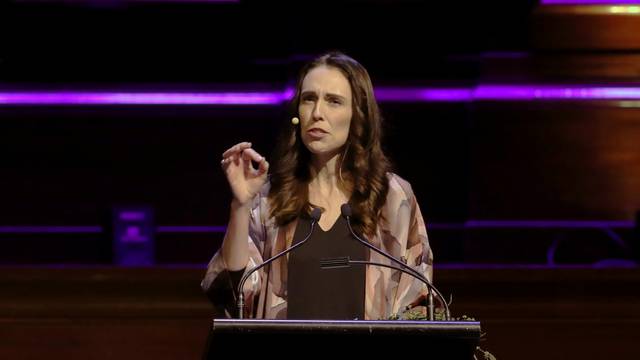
335 95
332 95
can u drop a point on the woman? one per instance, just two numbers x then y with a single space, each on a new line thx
331 156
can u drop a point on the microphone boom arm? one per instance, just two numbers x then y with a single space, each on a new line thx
421 278
315 217
346 212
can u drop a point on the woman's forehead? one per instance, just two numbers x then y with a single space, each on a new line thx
325 79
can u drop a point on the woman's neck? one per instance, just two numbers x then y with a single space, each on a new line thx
325 178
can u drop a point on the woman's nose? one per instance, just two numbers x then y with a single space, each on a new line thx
317 111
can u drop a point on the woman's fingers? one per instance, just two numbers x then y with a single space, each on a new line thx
243 155
263 167
250 154
236 149
234 158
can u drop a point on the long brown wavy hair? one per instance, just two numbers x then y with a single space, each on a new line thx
363 164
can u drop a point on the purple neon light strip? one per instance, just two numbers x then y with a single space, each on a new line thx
547 224
423 94
480 93
246 98
540 266
33 229
184 1
111 2
191 229
139 98
501 92
589 2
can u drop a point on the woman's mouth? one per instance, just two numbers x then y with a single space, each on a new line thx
316 133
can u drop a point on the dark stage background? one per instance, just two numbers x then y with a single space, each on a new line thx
526 165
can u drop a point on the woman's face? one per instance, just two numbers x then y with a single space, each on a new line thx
325 111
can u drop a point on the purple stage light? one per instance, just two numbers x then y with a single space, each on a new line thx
191 229
494 266
104 3
383 94
548 92
139 98
547 224
35 229
423 94
589 2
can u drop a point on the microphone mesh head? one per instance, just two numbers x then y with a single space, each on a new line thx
316 213
346 210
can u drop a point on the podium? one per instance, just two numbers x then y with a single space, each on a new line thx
338 339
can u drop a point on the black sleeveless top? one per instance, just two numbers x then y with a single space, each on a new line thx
330 294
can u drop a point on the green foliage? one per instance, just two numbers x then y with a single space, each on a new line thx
418 314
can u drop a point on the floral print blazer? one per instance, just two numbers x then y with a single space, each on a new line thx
401 233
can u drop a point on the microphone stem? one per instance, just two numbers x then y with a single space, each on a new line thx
240 302
365 243
346 212
240 305
431 307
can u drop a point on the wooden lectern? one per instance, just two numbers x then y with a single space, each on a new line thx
301 339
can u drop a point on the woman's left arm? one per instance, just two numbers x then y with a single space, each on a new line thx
417 252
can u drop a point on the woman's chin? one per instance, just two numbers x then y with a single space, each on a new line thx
323 153
316 148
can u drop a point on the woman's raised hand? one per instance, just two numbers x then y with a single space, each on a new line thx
245 180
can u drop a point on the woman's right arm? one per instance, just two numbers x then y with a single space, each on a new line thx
239 248
235 249
245 182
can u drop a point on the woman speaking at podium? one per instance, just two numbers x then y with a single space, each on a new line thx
329 155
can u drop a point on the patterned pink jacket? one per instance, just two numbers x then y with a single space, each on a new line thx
402 234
